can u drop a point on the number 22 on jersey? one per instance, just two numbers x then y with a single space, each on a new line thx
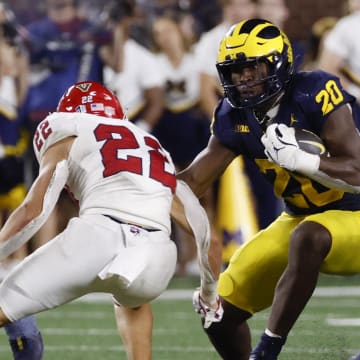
119 137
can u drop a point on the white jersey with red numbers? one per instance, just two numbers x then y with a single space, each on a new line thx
115 168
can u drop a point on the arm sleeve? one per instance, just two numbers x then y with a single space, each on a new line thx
199 223
52 194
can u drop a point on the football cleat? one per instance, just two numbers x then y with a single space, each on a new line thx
268 348
208 314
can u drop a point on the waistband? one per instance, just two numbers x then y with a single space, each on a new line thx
127 223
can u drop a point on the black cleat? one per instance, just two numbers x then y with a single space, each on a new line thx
268 348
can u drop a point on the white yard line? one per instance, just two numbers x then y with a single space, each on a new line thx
175 349
186 294
343 322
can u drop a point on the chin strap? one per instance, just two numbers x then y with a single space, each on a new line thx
52 194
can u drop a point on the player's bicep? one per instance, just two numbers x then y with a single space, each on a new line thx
340 134
52 156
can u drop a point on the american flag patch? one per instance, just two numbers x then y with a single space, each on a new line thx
97 107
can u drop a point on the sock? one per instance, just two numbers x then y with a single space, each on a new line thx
22 328
25 339
271 334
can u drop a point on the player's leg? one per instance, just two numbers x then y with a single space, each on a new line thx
310 243
232 326
25 339
63 269
247 286
24 336
135 328
324 242
134 316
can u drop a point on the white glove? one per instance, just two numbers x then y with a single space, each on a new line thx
282 148
210 313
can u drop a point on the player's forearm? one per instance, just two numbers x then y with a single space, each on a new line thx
178 215
22 216
215 254
198 187
343 173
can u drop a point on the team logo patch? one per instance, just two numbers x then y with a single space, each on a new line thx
84 87
241 128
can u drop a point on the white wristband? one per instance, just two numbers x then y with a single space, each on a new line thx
305 163
208 291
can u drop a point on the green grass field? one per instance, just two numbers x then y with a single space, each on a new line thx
328 329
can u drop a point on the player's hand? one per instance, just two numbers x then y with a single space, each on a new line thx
280 145
282 148
209 312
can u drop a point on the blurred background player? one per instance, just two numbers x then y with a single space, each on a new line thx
24 336
319 31
183 129
278 12
341 50
131 70
64 49
232 11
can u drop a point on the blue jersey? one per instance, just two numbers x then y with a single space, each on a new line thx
309 99
189 128
65 53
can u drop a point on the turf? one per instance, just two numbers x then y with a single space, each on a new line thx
328 329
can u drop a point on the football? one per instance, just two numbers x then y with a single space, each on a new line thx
309 142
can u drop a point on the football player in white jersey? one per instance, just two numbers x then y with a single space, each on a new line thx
124 182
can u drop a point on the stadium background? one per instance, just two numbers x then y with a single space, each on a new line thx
303 12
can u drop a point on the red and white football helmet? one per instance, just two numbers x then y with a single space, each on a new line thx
91 97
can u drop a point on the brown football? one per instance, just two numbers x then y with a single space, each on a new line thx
309 142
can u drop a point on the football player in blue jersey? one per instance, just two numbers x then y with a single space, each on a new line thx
318 232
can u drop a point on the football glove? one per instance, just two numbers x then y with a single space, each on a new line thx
282 148
209 313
